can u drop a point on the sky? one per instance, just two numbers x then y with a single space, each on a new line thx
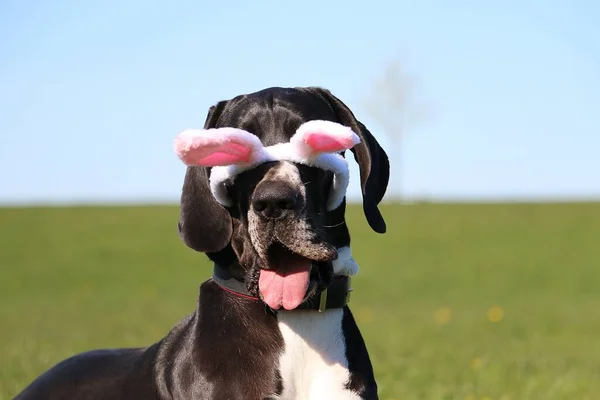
507 93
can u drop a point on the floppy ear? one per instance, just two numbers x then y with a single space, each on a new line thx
371 158
204 224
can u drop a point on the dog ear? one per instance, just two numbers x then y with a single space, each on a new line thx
371 158
204 224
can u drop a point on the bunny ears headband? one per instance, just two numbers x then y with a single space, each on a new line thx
231 151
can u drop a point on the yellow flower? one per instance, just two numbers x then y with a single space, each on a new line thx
495 314
442 315
476 363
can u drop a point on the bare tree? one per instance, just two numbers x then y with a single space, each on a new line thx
391 104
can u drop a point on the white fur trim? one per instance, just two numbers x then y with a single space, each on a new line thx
345 265
293 152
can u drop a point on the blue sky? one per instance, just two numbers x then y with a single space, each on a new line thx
93 93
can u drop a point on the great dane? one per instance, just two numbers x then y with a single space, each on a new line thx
273 321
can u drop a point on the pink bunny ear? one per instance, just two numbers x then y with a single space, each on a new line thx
219 146
317 136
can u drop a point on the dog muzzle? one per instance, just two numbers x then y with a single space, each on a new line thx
231 151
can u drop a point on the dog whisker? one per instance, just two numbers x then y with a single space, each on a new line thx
335 226
318 229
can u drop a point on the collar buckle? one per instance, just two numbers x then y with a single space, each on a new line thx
350 290
323 300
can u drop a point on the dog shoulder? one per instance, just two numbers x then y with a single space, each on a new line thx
86 376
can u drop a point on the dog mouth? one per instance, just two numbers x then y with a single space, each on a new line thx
290 276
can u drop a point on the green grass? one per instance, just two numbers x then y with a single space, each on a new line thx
73 279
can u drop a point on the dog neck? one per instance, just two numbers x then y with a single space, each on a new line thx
313 360
231 280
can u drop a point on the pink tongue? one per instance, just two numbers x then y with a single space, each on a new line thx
285 288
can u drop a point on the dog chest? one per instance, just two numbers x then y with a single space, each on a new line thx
313 364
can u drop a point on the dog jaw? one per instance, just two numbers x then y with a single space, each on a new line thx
294 233
278 246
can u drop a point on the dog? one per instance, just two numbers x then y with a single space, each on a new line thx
244 341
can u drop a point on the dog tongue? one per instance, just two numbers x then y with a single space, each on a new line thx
287 285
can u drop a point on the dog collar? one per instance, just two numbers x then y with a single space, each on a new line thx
335 296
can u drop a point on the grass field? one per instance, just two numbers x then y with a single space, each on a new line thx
455 301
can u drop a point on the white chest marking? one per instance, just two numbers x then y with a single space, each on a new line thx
313 365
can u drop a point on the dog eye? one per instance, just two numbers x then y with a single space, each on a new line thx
228 183
230 188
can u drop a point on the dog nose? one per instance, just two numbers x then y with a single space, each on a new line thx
274 200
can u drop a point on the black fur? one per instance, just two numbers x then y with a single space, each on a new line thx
230 346
362 379
227 349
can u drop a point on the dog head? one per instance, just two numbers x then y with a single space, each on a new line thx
278 218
